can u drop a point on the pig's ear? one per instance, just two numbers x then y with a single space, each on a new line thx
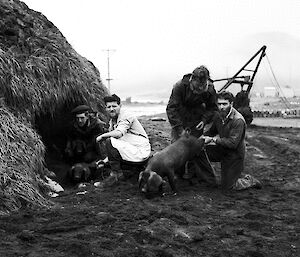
71 171
188 131
86 173
140 178
156 180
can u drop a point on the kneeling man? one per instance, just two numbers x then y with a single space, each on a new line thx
126 140
225 142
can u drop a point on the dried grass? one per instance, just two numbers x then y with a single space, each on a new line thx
40 73
21 164
39 70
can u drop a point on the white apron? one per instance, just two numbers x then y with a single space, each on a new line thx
137 150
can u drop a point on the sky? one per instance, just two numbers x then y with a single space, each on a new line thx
154 43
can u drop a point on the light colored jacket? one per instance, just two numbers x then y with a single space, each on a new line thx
134 143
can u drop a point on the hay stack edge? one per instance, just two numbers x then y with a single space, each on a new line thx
41 79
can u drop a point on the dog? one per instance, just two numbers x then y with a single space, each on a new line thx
80 172
164 163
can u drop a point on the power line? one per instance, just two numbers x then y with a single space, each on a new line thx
108 70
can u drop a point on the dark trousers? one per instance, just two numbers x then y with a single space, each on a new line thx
112 153
203 168
232 164
116 161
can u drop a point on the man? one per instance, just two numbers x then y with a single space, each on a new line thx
81 144
126 140
225 142
192 105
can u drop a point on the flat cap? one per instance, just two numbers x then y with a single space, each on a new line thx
81 109
201 72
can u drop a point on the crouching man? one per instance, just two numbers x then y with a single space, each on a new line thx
81 145
82 152
225 143
126 140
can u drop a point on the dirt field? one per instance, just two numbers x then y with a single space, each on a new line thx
199 221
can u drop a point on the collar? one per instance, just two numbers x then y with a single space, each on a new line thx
196 90
112 124
230 114
84 127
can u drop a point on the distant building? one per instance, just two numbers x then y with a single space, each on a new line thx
287 92
128 100
270 92
256 94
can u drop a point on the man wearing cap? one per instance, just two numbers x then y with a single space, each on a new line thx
81 144
126 140
192 105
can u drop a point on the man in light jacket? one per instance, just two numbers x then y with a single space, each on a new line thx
126 140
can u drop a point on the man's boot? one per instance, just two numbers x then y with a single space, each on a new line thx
247 181
115 174
189 170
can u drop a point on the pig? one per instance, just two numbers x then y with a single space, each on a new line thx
80 172
164 163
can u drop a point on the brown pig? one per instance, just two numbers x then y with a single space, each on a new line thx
164 163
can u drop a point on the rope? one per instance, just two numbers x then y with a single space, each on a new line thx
282 97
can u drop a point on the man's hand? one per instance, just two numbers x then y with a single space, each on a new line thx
207 139
215 138
200 125
99 138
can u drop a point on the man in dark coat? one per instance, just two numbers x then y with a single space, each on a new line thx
81 144
192 105
225 143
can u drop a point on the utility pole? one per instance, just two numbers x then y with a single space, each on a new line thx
108 71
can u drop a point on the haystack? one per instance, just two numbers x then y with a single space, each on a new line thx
41 79
21 163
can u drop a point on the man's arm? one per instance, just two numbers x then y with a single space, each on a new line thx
119 131
174 104
114 133
212 131
237 131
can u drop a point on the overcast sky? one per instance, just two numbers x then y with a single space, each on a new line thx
157 41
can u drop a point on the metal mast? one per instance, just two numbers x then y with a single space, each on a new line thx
108 70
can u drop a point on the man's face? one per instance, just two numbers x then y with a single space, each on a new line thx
113 109
81 119
199 83
224 106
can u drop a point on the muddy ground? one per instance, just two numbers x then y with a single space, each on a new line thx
199 221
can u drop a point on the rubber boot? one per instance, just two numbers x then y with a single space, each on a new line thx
247 181
115 174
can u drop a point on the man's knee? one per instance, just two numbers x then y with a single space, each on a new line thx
112 153
231 170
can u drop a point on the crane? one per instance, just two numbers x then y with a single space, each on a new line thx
241 102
